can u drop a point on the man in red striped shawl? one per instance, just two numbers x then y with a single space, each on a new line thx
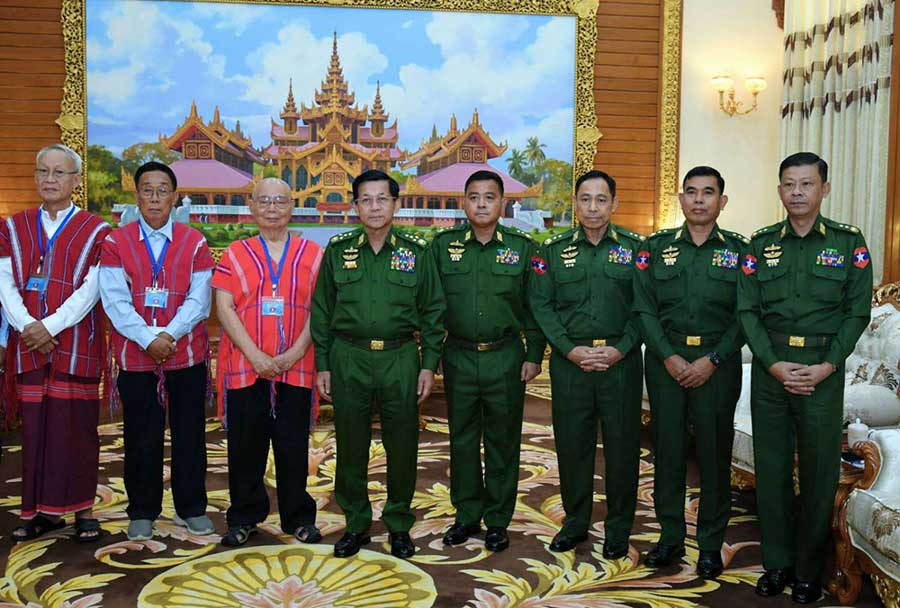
154 284
264 288
49 290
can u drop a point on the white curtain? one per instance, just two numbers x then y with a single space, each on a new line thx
836 103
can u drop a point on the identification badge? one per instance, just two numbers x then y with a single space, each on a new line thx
36 283
156 298
273 307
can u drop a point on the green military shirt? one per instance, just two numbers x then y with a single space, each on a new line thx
486 286
582 291
820 284
382 296
680 287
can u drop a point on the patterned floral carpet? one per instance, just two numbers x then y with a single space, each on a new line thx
177 569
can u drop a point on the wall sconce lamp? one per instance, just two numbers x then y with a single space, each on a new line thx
724 84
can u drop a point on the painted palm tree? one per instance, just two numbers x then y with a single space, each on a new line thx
516 164
534 152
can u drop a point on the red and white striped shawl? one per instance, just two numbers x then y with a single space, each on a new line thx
187 253
75 251
243 273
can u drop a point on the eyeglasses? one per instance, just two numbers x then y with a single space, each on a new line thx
55 174
368 202
279 202
160 192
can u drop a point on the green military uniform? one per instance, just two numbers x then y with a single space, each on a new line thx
804 300
365 309
485 286
686 300
582 294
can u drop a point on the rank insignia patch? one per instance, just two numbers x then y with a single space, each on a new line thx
749 265
456 251
643 260
860 257
725 258
772 253
670 255
619 255
350 255
538 264
509 257
569 255
403 259
831 258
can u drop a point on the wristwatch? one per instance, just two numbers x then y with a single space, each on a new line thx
715 357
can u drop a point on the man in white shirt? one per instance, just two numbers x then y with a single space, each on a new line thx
49 290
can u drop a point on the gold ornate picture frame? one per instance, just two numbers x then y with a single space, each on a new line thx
73 116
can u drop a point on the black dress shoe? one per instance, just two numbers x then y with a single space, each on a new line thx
709 565
773 582
662 555
402 545
496 539
613 550
350 543
459 533
806 592
562 542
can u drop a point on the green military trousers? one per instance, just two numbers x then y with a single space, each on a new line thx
486 397
360 377
812 425
579 399
710 409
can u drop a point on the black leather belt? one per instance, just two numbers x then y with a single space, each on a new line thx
689 340
481 347
800 341
597 341
370 344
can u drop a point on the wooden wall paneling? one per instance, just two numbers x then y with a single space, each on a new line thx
892 224
626 97
32 72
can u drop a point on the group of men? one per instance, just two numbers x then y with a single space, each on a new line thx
484 300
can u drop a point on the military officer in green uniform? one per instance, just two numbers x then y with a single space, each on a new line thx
376 286
686 300
485 268
804 298
581 296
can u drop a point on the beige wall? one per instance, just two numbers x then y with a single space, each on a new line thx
740 39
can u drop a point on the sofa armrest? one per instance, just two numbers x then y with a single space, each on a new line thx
882 460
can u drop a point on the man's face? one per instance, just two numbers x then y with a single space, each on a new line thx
483 203
701 201
801 191
55 178
375 205
271 204
155 198
594 204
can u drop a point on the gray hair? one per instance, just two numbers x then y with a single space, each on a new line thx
72 154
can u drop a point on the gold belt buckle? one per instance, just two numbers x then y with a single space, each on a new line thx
376 345
483 346
693 340
798 341
599 342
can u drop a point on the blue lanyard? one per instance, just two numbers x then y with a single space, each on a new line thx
275 275
40 235
156 263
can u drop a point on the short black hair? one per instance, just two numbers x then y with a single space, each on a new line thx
597 174
801 159
155 166
374 175
483 175
704 171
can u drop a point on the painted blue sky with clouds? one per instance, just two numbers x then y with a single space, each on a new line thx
147 60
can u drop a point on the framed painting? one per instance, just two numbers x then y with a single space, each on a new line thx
316 91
